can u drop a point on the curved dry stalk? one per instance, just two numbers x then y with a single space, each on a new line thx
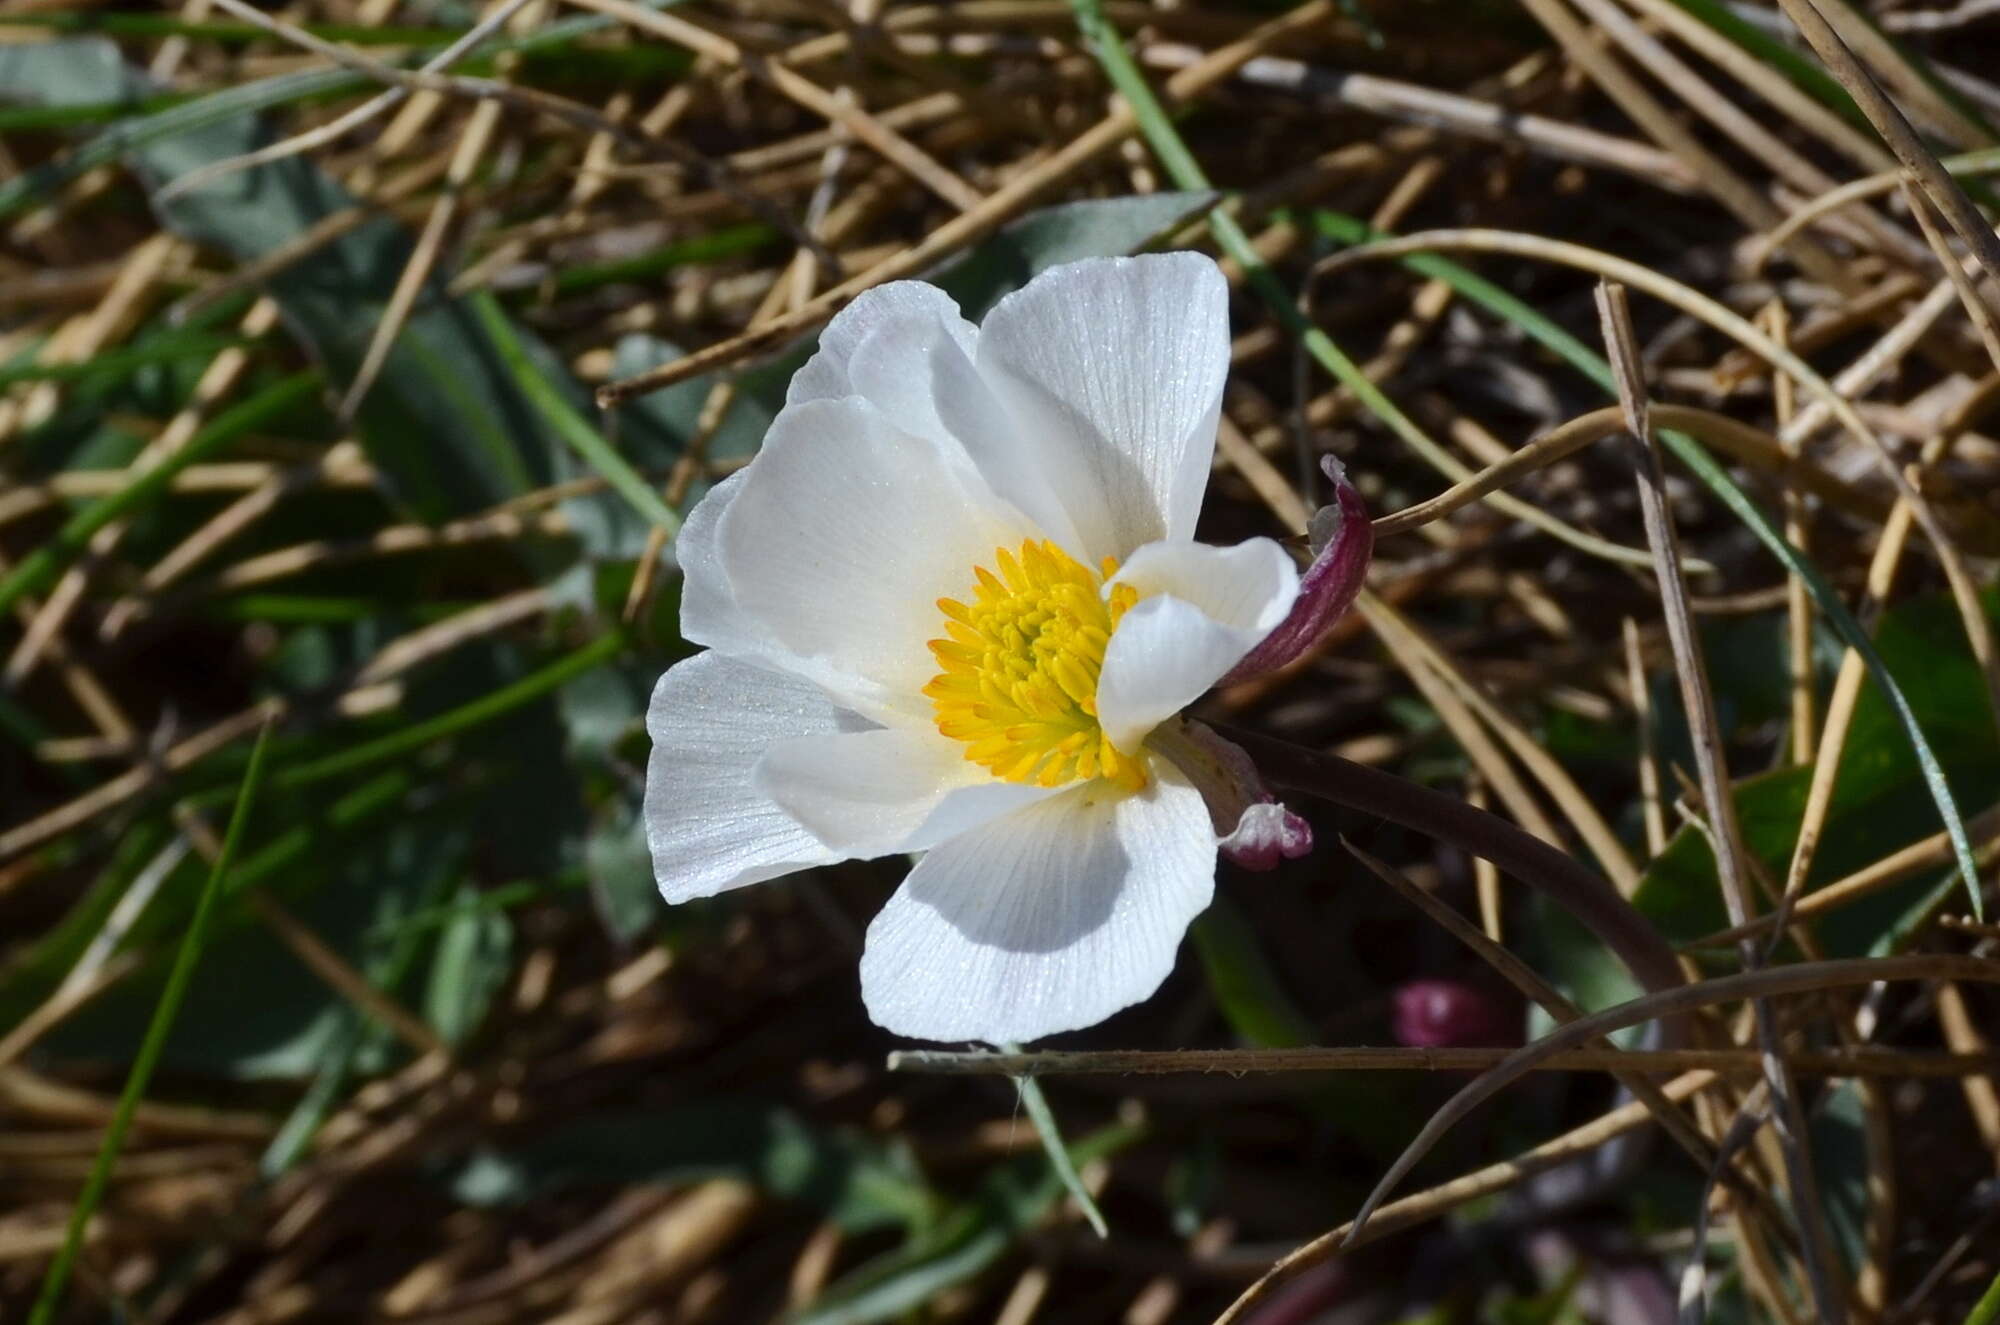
1680 295
1676 1124
1868 186
1442 460
1802 978
1740 441
1896 131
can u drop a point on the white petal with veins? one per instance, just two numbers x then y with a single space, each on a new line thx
1049 919
1113 371
867 794
843 536
1207 607
710 830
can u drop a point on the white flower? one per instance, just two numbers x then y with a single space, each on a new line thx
945 607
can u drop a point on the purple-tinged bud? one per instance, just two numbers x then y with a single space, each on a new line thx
1256 831
1449 1014
1342 541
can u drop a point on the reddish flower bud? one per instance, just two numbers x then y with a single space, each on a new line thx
1450 1014
1342 541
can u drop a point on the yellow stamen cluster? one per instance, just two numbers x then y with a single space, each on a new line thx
1019 684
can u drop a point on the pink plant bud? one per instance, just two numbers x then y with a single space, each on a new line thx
1256 831
1450 1014
1342 541
1265 834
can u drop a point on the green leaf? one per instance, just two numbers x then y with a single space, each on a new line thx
473 962
859 1182
1009 1201
1987 1309
1243 984
568 422
1880 797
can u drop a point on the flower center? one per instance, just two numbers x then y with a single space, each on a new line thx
1019 684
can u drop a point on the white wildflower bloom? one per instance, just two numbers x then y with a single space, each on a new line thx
945 607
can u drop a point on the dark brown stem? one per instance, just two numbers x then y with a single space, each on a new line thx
1576 888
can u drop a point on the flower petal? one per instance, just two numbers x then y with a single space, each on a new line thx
867 794
1049 919
710 830
1113 370
826 375
845 532
1343 540
1204 608
919 369
711 615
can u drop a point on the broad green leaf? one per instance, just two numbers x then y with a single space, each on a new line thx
1880 800
473 961
1095 228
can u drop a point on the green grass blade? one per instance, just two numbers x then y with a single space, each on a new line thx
713 246
39 569
1044 1119
150 1048
571 426
1349 230
484 709
168 347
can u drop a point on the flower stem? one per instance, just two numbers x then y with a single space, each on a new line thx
1573 886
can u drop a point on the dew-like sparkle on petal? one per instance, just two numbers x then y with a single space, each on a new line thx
1021 661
